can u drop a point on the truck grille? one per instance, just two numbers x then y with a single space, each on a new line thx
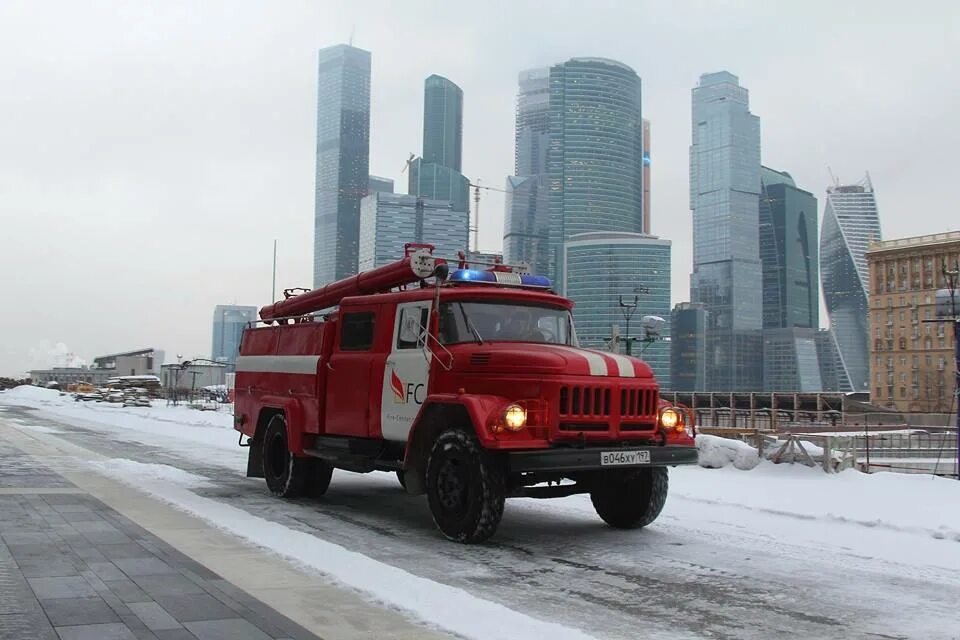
584 401
638 402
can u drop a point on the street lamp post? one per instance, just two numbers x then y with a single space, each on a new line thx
628 309
954 318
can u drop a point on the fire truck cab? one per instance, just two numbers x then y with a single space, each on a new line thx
468 383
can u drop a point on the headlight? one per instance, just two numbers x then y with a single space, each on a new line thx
671 418
515 417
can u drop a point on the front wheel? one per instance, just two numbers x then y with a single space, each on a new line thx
630 498
465 488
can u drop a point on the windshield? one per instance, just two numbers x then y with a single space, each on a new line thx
503 321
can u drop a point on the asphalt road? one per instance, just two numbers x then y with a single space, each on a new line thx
704 577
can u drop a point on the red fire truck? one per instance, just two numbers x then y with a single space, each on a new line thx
468 383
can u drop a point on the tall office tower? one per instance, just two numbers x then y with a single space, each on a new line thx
388 221
724 199
436 182
343 155
526 222
436 174
688 326
850 223
442 122
377 184
788 252
228 323
595 152
605 267
646 176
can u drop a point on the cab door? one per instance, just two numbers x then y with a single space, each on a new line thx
349 383
407 371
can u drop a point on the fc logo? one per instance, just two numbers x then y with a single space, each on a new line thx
405 392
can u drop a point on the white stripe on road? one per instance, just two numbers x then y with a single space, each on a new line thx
278 364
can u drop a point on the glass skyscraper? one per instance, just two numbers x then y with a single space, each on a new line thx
850 223
436 175
527 217
595 152
646 176
436 182
228 323
724 199
791 362
688 326
388 221
343 152
602 267
442 122
788 252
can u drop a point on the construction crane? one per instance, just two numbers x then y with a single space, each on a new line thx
406 165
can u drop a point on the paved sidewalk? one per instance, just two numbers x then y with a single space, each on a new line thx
71 567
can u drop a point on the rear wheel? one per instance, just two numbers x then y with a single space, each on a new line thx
465 487
287 475
630 498
320 474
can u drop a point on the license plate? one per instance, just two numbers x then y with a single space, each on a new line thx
613 458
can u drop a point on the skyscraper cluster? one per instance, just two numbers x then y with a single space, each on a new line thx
359 222
578 209
756 272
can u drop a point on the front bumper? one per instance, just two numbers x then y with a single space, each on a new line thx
588 459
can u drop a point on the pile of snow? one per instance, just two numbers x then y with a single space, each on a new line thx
716 453
28 392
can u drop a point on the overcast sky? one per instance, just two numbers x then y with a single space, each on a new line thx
151 152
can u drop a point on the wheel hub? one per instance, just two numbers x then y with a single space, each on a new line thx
452 486
277 456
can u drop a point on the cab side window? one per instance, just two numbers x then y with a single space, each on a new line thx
356 331
412 337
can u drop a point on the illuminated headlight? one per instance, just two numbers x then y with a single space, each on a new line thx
671 418
515 417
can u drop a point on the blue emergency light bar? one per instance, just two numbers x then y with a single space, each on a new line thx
475 276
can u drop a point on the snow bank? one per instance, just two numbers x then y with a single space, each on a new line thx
717 452
124 470
904 503
207 436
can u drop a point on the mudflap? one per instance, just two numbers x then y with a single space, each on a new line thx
254 459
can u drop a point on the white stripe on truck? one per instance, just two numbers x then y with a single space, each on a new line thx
278 364
624 366
595 361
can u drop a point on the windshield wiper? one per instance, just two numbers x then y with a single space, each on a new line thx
466 321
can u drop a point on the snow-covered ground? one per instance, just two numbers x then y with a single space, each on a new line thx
777 549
